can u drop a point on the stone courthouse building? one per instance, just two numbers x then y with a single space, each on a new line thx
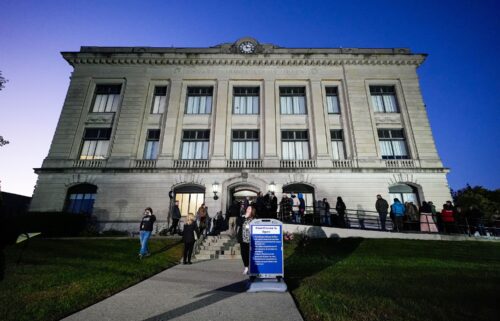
235 119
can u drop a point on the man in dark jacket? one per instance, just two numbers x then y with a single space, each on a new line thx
382 207
260 206
273 200
176 216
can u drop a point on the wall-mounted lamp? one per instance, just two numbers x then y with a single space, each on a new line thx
215 190
272 187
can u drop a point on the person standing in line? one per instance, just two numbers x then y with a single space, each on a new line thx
398 210
382 208
234 212
285 208
176 216
246 203
341 208
328 215
189 236
260 206
447 216
295 208
273 200
146 228
244 236
320 207
302 208
202 218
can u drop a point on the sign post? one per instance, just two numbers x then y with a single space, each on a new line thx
266 256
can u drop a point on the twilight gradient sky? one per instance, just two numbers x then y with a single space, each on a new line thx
460 79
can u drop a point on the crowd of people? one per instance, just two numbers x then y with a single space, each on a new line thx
405 216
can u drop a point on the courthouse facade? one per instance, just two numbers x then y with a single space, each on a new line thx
141 126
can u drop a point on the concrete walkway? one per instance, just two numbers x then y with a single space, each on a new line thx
209 290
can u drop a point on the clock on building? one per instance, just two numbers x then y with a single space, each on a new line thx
247 47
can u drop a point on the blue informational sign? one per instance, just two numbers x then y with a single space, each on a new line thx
266 248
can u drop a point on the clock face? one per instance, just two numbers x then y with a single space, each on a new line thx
246 47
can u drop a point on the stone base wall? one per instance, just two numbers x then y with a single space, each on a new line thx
122 197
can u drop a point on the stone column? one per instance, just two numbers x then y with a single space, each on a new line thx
318 125
169 132
218 132
270 128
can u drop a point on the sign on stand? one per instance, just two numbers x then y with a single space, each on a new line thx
266 256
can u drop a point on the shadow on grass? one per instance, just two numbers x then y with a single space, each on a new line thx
210 297
311 256
166 248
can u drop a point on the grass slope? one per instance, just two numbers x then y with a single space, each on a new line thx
58 277
377 279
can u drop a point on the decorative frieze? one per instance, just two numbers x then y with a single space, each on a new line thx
132 59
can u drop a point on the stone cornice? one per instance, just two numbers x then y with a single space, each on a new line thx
75 58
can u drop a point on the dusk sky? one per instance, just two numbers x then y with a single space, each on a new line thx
459 80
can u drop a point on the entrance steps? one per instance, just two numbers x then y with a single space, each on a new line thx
221 247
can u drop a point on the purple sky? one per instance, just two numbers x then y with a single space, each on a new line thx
459 80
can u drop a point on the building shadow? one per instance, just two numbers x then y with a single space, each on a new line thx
313 255
166 248
206 299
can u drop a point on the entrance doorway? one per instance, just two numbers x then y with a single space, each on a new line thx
190 198
240 193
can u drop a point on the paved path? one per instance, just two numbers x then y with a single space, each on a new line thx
209 290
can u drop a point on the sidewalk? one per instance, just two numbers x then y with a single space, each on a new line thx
209 290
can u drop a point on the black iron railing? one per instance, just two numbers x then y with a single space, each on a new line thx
370 220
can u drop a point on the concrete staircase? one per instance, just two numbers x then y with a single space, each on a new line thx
221 247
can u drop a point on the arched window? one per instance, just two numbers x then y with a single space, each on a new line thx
405 193
80 199
190 198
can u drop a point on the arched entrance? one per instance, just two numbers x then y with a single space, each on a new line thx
190 198
240 192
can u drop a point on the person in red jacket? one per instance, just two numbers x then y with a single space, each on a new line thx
448 219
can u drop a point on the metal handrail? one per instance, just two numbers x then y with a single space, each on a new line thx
370 220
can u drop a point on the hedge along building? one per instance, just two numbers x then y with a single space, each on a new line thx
237 118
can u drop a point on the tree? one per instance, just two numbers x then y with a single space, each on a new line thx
3 141
2 85
487 201
2 81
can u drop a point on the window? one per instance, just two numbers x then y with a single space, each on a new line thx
152 144
384 99
245 144
195 144
295 144
199 100
80 199
159 100
246 100
293 100
107 98
392 144
332 100
95 143
337 144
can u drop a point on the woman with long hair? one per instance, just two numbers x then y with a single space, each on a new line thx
189 236
244 235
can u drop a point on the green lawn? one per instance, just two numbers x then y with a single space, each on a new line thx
377 279
58 277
